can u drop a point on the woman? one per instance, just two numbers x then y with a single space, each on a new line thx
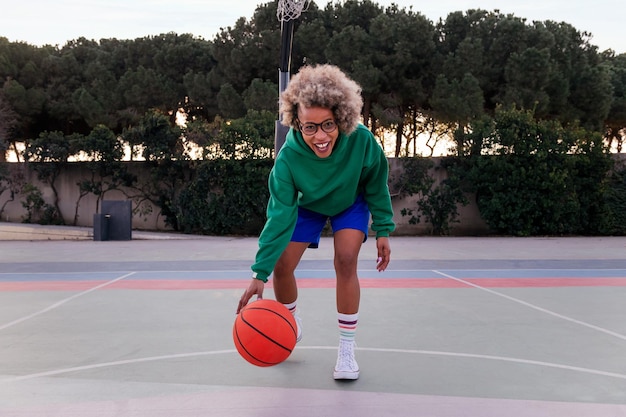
330 168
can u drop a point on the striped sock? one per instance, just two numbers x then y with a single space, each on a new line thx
347 325
291 307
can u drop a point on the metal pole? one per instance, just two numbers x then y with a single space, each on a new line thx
286 32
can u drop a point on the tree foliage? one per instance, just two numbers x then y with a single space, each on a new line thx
537 177
410 69
538 95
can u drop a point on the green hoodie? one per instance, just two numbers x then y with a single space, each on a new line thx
357 165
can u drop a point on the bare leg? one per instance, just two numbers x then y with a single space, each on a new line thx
285 288
347 247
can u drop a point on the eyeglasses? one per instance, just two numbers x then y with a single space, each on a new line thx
310 128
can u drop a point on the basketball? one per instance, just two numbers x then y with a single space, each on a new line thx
265 332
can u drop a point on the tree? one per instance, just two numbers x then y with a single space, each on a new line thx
230 102
616 119
527 75
404 54
579 89
145 88
249 137
48 154
65 75
397 55
459 102
104 152
9 120
248 50
159 139
167 160
201 102
22 71
12 182
28 104
261 95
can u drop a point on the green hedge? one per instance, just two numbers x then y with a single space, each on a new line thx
537 177
225 197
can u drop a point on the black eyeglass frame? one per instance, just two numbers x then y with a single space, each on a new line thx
328 129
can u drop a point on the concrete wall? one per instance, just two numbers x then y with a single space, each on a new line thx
470 222
146 216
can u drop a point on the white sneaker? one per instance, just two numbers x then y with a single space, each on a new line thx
298 327
346 367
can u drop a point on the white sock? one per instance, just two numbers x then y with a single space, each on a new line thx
347 326
291 307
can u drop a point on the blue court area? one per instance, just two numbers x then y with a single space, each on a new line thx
145 329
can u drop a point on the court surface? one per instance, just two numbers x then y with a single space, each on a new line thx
502 327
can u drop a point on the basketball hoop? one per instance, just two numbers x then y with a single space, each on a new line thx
290 9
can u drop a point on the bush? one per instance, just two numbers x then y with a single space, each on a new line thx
437 203
539 178
225 197
37 210
615 199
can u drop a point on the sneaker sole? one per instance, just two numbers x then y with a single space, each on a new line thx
346 375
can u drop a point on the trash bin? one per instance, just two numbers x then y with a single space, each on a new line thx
115 222
120 224
101 226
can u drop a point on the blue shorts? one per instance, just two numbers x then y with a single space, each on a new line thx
310 224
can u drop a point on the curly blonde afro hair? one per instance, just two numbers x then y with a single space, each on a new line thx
323 86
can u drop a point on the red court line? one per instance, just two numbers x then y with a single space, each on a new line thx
380 283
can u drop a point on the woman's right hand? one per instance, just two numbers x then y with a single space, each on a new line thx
256 287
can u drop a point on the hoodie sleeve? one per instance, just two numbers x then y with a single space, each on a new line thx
282 213
374 182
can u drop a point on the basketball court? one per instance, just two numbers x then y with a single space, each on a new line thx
455 327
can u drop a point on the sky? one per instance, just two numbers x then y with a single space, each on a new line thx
54 22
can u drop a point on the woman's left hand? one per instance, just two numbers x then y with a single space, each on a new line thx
384 253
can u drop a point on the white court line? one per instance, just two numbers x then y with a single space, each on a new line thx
380 350
66 300
536 307
116 363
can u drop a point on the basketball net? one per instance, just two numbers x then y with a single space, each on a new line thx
290 9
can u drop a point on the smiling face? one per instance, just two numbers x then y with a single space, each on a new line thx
326 133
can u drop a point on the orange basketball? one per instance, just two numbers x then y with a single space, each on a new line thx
264 332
